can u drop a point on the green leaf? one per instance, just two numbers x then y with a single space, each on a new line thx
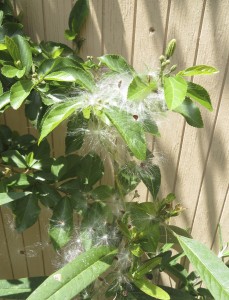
69 74
116 63
199 94
139 89
61 223
130 130
9 197
90 170
56 114
10 71
19 288
151 177
15 158
191 113
78 15
210 268
151 289
150 126
69 281
175 89
12 47
4 100
19 92
70 35
19 180
76 129
102 192
147 266
25 52
26 211
48 195
198 70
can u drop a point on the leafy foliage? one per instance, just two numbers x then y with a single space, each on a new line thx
108 108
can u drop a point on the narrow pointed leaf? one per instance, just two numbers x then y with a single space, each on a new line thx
211 269
131 131
19 288
56 114
191 113
151 289
69 281
175 89
198 70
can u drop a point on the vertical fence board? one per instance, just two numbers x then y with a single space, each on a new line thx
92 31
56 13
215 181
6 270
213 50
181 13
149 33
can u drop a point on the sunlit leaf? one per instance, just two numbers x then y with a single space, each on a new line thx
211 269
69 281
130 130
175 89
191 113
198 70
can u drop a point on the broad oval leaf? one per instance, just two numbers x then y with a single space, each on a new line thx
198 70
175 89
130 130
61 223
69 281
12 196
151 289
191 113
26 211
139 89
78 15
199 94
211 269
19 92
56 114
69 74
25 52
116 63
151 177
10 71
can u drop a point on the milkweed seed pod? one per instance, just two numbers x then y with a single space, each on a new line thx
170 48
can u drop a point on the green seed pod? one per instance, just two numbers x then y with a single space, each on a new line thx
170 48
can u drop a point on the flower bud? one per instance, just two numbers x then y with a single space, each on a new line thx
162 58
173 68
170 48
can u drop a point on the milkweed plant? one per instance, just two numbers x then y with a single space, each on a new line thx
120 245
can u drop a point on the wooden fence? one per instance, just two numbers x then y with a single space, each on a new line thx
195 161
